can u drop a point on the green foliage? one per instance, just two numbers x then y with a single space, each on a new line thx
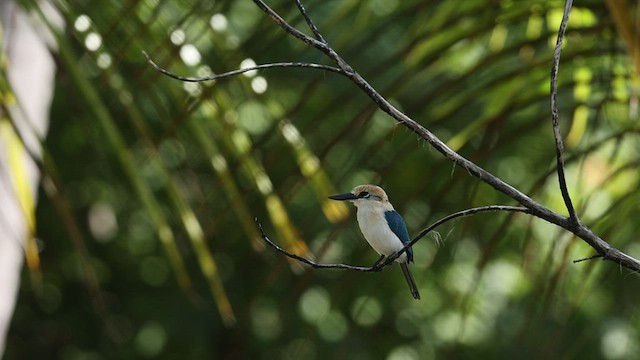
164 179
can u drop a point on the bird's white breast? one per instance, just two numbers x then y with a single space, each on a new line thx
377 232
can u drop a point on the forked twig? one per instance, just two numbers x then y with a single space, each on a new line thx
312 26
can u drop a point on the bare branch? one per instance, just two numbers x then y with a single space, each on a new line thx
587 258
554 116
450 217
241 71
417 128
571 223
312 26
534 208
320 45
311 262
378 265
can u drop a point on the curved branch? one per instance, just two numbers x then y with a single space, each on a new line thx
389 259
570 223
312 26
241 71
411 124
554 116
450 217
308 261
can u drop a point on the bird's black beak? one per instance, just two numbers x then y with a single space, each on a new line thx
342 197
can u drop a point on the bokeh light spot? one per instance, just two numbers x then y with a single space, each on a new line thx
151 339
259 85
190 55
333 327
403 353
103 61
366 311
314 304
219 22
177 37
102 221
265 320
93 41
248 63
82 23
618 342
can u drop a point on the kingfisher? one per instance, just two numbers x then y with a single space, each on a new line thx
382 227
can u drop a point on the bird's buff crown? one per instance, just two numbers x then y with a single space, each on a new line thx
375 191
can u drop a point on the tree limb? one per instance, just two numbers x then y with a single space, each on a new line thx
602 247
240 71
570 223
312 26
573 217
455 215
378 265
312 263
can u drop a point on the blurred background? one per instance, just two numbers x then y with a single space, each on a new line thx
145 234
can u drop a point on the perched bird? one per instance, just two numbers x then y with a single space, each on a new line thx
382 227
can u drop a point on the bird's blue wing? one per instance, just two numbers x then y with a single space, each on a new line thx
397 225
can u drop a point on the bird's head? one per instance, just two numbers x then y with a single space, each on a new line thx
364 195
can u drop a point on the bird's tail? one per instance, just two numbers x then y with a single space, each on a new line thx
410 281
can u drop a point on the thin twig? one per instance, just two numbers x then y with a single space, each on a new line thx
450 217
312 26
320 45
554 116
241 71
588 258
378 265
307 261
290 29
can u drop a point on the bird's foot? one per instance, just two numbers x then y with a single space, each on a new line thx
376 266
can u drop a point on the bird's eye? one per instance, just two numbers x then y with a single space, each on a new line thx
364 194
